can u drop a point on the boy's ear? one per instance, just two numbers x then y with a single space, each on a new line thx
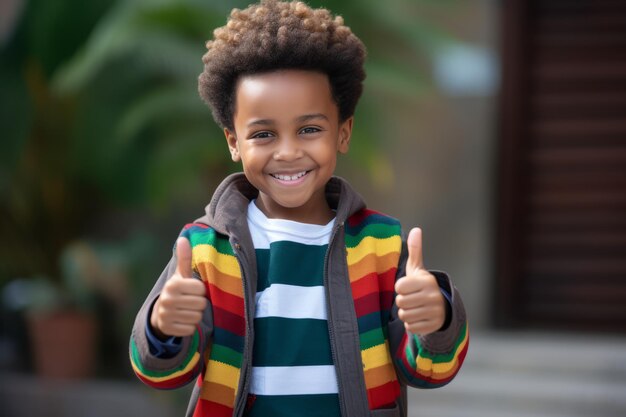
345 132
233 146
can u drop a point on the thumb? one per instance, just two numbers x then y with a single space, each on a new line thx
414 245
183 255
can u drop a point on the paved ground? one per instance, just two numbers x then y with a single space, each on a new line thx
524 375
505 375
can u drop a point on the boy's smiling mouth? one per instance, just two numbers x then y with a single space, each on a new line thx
290 177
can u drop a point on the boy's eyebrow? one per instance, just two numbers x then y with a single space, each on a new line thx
307 117
300 119
262 122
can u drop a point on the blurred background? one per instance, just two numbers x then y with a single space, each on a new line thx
499 127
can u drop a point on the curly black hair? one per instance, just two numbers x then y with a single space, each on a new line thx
275 35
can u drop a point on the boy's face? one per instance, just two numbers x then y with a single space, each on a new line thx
287 135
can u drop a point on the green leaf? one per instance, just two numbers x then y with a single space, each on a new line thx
56 29
180 158
159 105
110 38
16 120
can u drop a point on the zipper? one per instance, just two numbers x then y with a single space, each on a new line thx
242 395
331 332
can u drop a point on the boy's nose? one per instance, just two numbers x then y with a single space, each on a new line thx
288 149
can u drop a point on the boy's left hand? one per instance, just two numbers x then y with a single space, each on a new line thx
421 306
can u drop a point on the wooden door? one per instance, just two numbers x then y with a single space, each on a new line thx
561 241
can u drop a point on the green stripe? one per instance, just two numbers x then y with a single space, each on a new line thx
226 355
136 358
209 237
376 230
291 342
371 338
386 331
409 356
439 357
320 405
290 263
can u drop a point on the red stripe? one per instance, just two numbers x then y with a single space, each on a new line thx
383 395
365 285
382 284
357 218
226 301
190 225
229 321
373 282
387 279
367 304
386 300
206 408
168 383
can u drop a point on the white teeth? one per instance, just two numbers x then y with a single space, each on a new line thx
289 177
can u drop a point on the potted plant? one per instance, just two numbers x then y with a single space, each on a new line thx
60 319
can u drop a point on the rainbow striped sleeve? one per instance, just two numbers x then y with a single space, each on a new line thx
170 378
425 369
149 370
373 246
215 261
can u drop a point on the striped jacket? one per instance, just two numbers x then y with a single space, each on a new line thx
374 357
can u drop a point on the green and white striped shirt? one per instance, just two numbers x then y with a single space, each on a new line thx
293 371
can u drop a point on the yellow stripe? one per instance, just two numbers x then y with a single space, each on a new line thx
373 245
223 374
226 264
376 356
426 365
186 369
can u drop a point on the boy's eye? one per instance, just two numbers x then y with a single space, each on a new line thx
261 135
309 130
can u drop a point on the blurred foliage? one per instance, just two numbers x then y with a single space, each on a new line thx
99 113
100 108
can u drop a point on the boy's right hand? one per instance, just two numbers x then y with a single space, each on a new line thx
181 304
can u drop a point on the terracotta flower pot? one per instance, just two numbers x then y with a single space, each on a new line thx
63 344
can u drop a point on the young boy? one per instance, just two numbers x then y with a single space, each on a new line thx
290 297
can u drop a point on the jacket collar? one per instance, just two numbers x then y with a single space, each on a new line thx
229 205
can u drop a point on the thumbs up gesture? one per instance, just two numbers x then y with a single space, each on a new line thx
421 306
179 308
